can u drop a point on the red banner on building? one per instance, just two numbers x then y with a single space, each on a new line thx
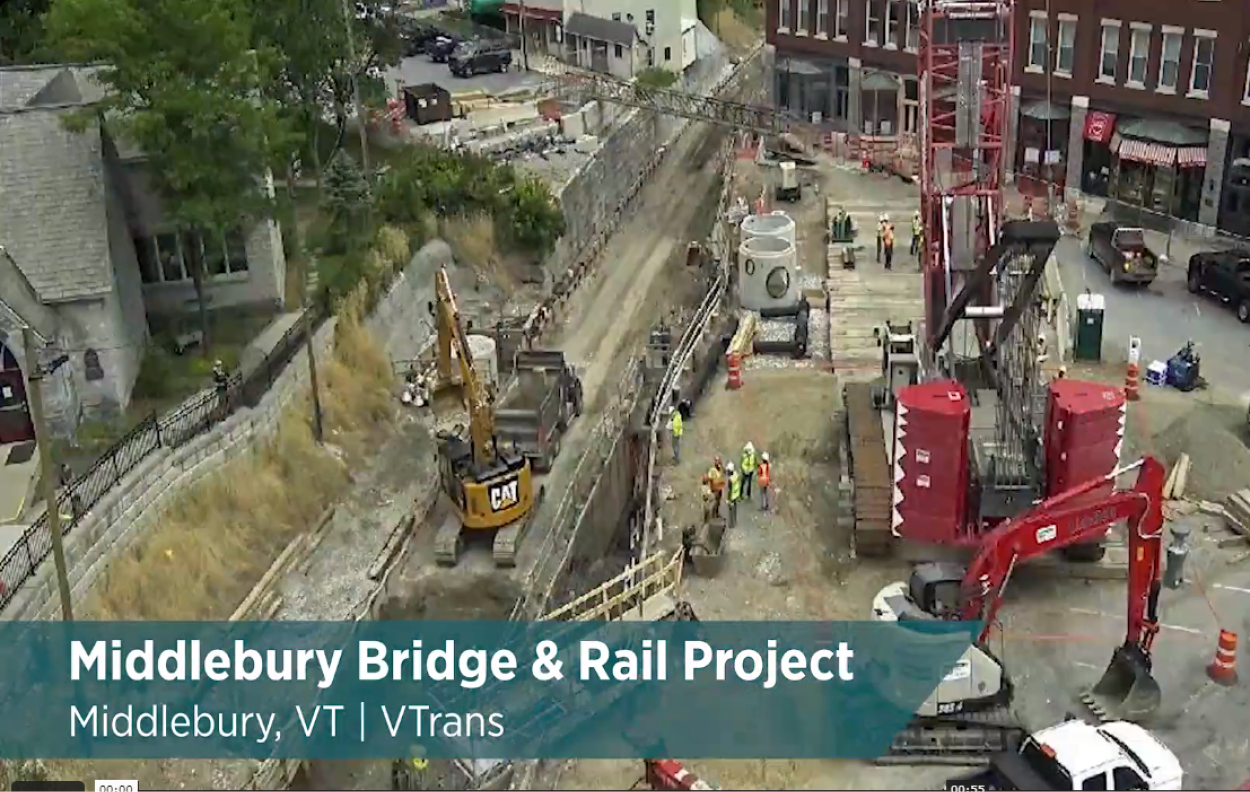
1099 126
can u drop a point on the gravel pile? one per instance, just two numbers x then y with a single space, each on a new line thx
774 330
818 334
1219 459
806 281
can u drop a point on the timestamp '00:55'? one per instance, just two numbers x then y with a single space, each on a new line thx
955 786
116 786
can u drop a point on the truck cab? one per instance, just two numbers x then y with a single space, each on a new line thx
1079 756
1122 252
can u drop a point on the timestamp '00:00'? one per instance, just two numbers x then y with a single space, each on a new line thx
116 786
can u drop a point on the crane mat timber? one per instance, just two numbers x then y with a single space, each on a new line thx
867 465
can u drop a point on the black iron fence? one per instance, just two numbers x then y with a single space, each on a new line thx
192 418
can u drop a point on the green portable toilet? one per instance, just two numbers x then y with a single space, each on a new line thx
1089 316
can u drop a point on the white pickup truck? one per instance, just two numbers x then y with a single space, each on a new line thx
1078 756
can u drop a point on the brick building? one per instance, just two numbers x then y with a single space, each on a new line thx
1144 101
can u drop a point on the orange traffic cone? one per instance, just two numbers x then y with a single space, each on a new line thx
1132 383
734 364
1223 669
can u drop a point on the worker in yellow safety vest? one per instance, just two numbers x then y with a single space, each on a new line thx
735 494
410 774
748 469
677 427
715 481
916 230
766 478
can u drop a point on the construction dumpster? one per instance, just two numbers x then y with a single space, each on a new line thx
544 397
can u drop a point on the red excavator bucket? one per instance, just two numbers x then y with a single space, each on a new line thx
1128 690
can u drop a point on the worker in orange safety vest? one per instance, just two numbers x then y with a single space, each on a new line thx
765 473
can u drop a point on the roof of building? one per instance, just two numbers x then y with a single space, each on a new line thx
601 29
53 219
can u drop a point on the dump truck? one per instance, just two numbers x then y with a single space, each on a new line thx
538 406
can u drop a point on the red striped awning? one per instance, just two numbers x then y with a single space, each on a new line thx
1148 153
1191 157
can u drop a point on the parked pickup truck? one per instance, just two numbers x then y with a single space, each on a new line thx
538 406
1122 252
1225 274
1076 755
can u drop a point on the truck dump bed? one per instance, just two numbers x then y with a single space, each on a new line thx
540 402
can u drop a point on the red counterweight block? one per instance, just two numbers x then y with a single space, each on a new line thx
1084 435
930 455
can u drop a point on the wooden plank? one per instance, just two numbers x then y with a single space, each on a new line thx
275 569
396 540
1182 476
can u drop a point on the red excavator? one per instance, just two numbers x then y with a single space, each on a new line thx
968 712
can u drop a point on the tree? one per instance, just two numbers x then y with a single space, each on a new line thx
21 30
184 87
345 198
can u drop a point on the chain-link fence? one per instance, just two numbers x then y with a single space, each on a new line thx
194 417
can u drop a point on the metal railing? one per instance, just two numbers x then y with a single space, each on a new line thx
194 417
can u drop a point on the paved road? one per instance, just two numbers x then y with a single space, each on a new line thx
420 69
1060 636
1164 316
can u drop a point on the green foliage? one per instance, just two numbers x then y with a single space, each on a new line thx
345 200
21 31
185 88
655 77
433 181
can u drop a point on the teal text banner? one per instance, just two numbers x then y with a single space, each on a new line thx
501 690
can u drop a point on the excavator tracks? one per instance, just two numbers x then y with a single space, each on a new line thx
955 739
508 539
869 470
448 541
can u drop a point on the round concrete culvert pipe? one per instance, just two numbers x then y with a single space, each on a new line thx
767 273
775 224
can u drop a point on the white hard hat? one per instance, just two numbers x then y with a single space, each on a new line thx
764 456
884 217
749 448
729 467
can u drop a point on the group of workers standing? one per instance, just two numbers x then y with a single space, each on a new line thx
739 481
885 238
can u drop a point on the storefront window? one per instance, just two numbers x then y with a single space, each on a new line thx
1161 191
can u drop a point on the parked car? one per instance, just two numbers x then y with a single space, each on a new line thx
1226 274
1122 252
441 46
472 58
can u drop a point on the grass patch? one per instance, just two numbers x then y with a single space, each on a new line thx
473 241
216 540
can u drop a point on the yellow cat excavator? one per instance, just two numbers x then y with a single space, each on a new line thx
490 488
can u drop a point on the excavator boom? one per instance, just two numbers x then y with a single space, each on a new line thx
1127 690
451 335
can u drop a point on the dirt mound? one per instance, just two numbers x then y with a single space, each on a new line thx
1219 458
455 595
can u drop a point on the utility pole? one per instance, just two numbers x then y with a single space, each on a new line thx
360 112
48 473
318 428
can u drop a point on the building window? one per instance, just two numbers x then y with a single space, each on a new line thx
1170 60
913 25
668 53
1109 59
783 14
620 51
872 33
822 17
1138 55
1245 99
163 258
1065 57
1204 57
1037 42
805 16
616 17
893 17
841 20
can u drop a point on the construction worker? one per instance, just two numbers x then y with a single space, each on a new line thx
887 242
715 480
916 230
882 222
766 478
410 774
676 426
735 493
748 469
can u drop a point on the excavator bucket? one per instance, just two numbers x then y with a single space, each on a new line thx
1127 690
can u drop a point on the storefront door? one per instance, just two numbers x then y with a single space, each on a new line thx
15 423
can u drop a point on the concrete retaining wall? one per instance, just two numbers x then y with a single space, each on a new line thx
136 503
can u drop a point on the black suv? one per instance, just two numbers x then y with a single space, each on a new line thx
473 58
1226 274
